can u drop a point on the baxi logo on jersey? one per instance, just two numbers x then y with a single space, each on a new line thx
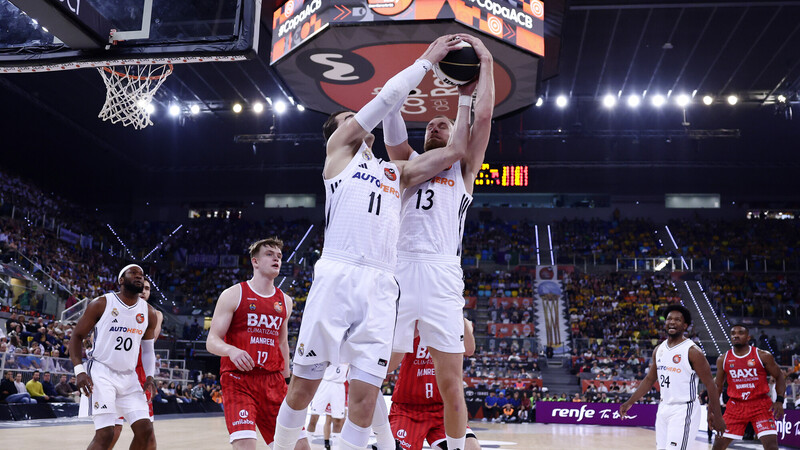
390 174
140 318
263 324
278 307
676 359
114 312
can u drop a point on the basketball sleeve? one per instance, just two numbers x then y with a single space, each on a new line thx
393 91
394 128
149 357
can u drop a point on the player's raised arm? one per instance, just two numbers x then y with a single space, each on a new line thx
429 164
395 135
149 350
354 129
482 112
780 381
82 329
283 337
700 365
220 322
644 386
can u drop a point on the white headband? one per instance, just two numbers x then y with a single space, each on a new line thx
129 266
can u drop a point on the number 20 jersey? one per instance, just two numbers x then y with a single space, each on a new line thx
255 328
118 334
416 382
362 211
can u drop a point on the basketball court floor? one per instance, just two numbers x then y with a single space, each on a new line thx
208 432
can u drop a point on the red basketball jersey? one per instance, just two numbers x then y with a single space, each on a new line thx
255 327
416 382
746 376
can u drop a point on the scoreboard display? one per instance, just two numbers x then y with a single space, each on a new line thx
502 176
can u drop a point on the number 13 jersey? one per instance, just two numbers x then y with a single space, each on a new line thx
676 377
118 334
362 211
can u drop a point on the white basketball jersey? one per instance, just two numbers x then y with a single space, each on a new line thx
118 334
676 377
362 210
433 214
336 373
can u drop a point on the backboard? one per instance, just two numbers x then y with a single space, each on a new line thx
44 35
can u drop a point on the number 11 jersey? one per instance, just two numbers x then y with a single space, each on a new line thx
362 211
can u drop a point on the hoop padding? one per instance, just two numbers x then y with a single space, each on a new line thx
129 92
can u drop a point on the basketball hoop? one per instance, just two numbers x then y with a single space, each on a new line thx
129 91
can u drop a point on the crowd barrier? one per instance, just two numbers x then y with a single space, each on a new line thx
21 411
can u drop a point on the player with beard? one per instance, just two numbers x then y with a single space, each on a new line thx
145 295
123 325
745 369
676 365
352 305
429 249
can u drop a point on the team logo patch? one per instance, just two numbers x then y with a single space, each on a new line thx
243 413
390 174
751 363
114 312
252 306
278 307
140 318
367 155
676 359
97 405
402 433
300 350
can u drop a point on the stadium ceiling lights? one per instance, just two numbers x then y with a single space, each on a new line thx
258 107
683 100
658 100
634 100
732 100
279 106
174 110
539 102
561 101
609 101
708 100
237 108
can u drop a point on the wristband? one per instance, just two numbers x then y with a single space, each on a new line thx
425 64
778 399
79 369
465 100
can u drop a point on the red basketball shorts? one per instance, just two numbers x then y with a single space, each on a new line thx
739 412
413 424
252 400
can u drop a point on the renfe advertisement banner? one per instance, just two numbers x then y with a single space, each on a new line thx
789 428
640 415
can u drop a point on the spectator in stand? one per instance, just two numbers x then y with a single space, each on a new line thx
9 392
63 389
198 392
34 387
22 391
490 407
187 393
50 390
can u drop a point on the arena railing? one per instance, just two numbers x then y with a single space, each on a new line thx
741 264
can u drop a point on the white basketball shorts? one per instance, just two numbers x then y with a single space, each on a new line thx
677 425
116 393
329 400
432 297
349 317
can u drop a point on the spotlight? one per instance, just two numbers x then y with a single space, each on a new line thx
539 102
732 100
150 108
237 108
658 100
258 107
683 100
194 109
634 100
174 110
609 101
280 106
782 99
708 100
141 103
561 101
300 107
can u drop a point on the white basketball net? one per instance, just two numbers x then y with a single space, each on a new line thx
129 91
